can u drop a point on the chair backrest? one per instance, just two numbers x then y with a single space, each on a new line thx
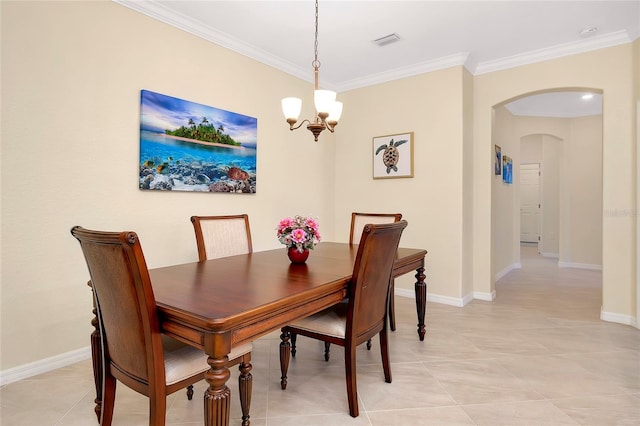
359 220
125 304
369 287
221 236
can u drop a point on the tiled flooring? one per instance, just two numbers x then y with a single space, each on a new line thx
537 355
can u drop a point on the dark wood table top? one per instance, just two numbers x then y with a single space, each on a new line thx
220 294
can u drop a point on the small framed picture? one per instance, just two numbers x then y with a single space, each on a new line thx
507 169
393 156
497 160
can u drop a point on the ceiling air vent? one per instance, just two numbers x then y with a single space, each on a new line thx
388 39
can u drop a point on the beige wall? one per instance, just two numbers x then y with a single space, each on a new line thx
505 232
71 77
552 154
431 106
583 157
586 71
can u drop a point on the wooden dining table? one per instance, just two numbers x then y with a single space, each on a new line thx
217 304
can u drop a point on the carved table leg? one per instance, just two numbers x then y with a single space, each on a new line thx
285 353
217 396
96 356
421 301
245 381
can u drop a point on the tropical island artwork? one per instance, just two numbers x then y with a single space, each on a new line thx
186 146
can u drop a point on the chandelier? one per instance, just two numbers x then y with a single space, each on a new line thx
328 111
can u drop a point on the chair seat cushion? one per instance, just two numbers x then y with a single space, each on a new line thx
332 321
182 361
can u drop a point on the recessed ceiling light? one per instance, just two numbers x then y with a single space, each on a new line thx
588 31
587 96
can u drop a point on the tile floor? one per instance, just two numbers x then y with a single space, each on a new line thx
537 355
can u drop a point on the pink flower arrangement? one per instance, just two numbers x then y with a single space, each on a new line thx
299 232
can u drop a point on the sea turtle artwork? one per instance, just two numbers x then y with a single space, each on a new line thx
391 155
187 146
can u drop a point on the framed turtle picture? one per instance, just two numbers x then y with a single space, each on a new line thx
393 156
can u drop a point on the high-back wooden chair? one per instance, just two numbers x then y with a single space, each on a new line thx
134 351
363 316
358 220
221 236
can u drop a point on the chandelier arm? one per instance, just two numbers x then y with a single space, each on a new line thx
292 127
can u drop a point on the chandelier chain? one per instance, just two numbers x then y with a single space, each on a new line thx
316 62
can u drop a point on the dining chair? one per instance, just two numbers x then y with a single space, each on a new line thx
134 351
221 236
358 220
362 315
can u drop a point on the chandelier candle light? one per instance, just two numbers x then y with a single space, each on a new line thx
328 110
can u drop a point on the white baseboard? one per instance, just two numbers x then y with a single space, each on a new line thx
489 297
25 371
506 270
447 300
580 266
618 318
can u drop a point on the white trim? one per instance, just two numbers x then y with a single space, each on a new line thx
408 71
506 270
164 14
169 16
559 51
580 266
637 320
31 369
618 318
448 300
489 297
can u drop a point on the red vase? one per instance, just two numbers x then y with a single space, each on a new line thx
296 257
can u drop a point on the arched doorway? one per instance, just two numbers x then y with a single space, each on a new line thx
568 149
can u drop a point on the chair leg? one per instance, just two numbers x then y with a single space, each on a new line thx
392 306
327 345
108 399
350 375
157 409
245 384
384 352
190 392
294 339
285 351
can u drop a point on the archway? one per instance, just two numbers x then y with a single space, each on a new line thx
573 158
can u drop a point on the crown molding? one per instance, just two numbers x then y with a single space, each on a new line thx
558 51
157 11
161 13
403 72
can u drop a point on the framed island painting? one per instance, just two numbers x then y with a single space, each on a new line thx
187 146
393 156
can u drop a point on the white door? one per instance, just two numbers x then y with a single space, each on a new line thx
529 202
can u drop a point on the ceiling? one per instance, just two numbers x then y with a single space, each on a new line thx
483 36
